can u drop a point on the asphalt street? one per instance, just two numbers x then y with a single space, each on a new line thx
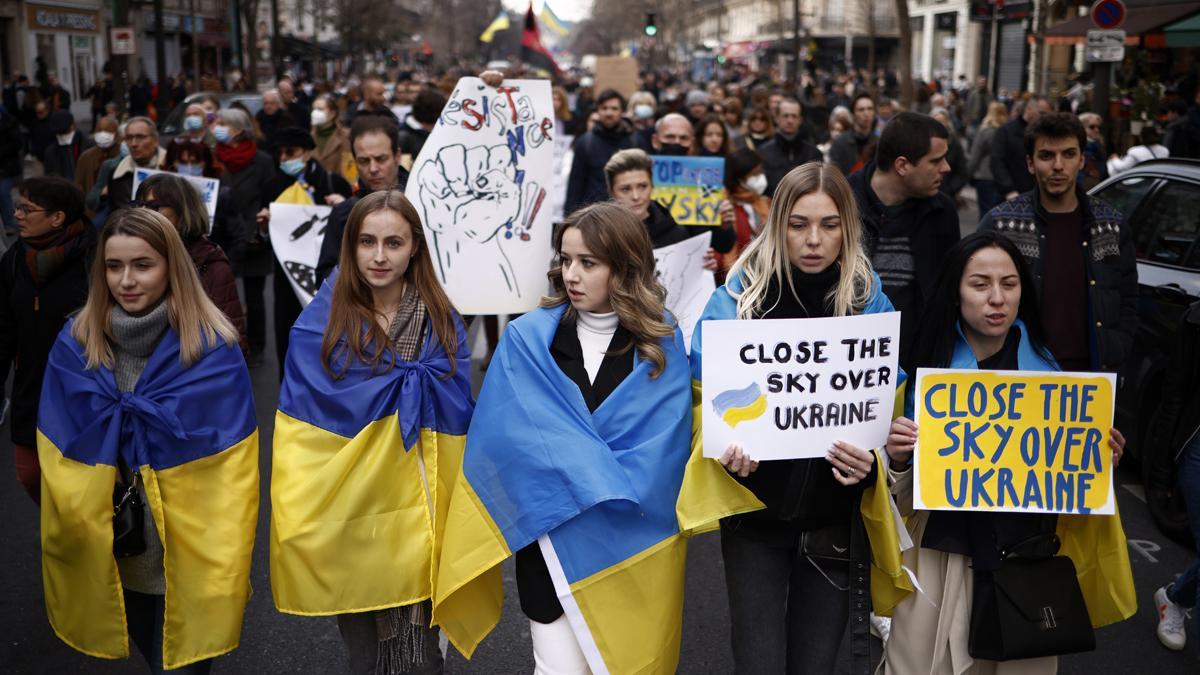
277 643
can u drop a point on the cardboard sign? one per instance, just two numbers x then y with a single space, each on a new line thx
790 388
296 234
691 188
209 189
680 270
1014 441
617 72
480 186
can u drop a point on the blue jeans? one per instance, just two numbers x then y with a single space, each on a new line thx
6 203
144 615
1185 592
986 196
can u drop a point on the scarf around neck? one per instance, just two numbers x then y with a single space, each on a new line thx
236 158
44 255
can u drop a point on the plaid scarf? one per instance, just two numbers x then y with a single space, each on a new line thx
408 325
44 255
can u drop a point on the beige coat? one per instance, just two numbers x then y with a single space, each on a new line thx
930 630
336 154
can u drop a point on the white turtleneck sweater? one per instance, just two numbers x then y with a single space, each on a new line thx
595 333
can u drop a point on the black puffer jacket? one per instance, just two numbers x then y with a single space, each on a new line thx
780 155
1110 262
30 321
586 183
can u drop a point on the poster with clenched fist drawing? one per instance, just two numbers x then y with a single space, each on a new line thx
481 186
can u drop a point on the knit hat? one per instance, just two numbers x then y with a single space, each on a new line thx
696 96
294 137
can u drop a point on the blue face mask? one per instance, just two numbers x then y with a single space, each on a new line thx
193 123
124 150
222 133
292 167
643 111
189 169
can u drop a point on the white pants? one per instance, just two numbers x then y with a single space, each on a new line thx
555 649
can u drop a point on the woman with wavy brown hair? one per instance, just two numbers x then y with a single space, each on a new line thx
585 410
373 412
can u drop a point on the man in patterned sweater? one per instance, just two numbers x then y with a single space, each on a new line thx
1079 250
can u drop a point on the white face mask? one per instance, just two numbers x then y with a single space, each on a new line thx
757 183
319 118
105 139
65 139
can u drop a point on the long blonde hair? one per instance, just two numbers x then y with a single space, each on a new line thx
195 319
997 115
766 257
617 238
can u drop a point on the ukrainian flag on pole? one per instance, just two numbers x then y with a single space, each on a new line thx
597 491
498 24
193 433
361 473
551 21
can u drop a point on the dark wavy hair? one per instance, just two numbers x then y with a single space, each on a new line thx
1054 125
937 334
199 150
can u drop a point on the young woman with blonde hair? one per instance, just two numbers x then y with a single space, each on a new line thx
373 411
796 569
574 461
147 388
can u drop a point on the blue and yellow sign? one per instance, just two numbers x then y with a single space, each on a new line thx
691 188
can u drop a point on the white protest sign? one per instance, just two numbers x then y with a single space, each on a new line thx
297 231
790 388
209 188
481 186
680 270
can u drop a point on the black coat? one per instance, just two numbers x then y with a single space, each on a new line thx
30 321
60 160
1009 169
586 184
1180 410
249 190
780 155
1111 265
662 227
335 227
12 143
412 138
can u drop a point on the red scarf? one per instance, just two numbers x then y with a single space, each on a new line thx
236 157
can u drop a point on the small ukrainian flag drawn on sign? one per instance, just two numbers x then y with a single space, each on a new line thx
740 405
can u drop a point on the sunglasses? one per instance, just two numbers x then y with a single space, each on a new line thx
153 205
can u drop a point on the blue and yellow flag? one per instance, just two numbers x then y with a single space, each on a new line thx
193 433
596 490
498 24
361 473
552 23
889 582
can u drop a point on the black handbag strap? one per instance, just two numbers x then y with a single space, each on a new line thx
1036 547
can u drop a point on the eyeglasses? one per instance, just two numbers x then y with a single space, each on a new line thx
26 209
136 137
153 205
1093 126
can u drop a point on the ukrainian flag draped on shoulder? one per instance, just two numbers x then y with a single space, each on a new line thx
361 472
596 490
193 433
889 582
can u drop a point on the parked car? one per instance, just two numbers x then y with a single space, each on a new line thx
172 125
1161 202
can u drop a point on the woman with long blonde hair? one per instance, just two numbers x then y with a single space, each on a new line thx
575 459
979 160
373 411
147 388
797 564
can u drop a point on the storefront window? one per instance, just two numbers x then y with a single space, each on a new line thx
48 52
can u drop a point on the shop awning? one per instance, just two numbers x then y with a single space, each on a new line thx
1184 33
1144 26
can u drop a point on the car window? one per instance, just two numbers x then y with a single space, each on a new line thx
1173 210
1125 195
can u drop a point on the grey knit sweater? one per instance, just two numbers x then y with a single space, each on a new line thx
134 340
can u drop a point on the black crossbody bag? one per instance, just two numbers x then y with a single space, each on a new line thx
129 520
1031 606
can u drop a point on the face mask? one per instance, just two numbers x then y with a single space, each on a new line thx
189 169
643 111
105 139
672 149
222 133
124 149
757 183
65 139
193 123
308 89
319 118
292 167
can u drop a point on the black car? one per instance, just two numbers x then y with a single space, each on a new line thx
1161 203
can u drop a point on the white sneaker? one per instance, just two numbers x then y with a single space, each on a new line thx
1170 621
881 627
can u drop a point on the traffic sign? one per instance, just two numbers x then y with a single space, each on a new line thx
122 41
1105 46
1108 14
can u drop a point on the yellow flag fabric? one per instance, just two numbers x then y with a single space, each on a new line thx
498 24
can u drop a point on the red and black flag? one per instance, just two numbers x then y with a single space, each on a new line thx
532 51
